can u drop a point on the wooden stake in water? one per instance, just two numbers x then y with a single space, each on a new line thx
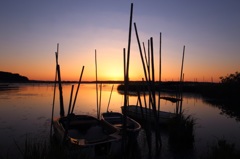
100 101
98 115
181 80
179 93
62 114
70 101
126 78
160 73
75 98
54 93
140 50
160 58
110 97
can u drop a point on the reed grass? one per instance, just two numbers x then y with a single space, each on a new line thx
34 148
181 132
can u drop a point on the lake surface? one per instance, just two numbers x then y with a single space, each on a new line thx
26 111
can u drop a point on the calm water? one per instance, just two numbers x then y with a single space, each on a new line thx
26 111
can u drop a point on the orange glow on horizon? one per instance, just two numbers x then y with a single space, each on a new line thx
117 76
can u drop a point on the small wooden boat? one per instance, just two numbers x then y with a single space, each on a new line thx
138 113
116 119
87 133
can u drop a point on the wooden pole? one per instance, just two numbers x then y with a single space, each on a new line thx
152 61
100 102
110 97
129 38
54 94
126 80
160 72
125 103
181 80
75 98
160 58
143 63
140 50
149 61
146 59
145 55
96 81
181 75
62 114
70 101
158 137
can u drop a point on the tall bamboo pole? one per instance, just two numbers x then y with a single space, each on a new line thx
79 81
160 58
181 75
62 114
60 92
149 70
126 80
54 93
59 84
70 101
181 80
96 81
148 78
158 137
140 50
145 55
125 104
160 72
110 97
129 38
149 59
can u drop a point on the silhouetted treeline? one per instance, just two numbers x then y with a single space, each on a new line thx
231 79
227 89
169 86
7 77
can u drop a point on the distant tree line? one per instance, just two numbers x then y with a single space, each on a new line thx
8 77
231 79
230 86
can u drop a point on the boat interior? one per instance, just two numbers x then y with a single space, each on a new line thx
86 128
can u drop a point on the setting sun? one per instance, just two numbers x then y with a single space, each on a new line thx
110 72
114 74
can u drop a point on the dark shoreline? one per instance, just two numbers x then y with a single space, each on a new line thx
212 91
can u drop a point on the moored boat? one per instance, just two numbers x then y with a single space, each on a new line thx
142 113
117 120
87 134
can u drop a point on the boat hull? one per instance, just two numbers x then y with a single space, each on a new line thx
87 135
145 114
116 119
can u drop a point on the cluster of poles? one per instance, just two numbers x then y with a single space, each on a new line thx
59 82
147 59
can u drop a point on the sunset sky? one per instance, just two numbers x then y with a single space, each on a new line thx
30 31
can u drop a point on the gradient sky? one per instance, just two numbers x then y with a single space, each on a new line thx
30 31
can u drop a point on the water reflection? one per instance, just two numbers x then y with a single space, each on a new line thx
27 110
228 108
